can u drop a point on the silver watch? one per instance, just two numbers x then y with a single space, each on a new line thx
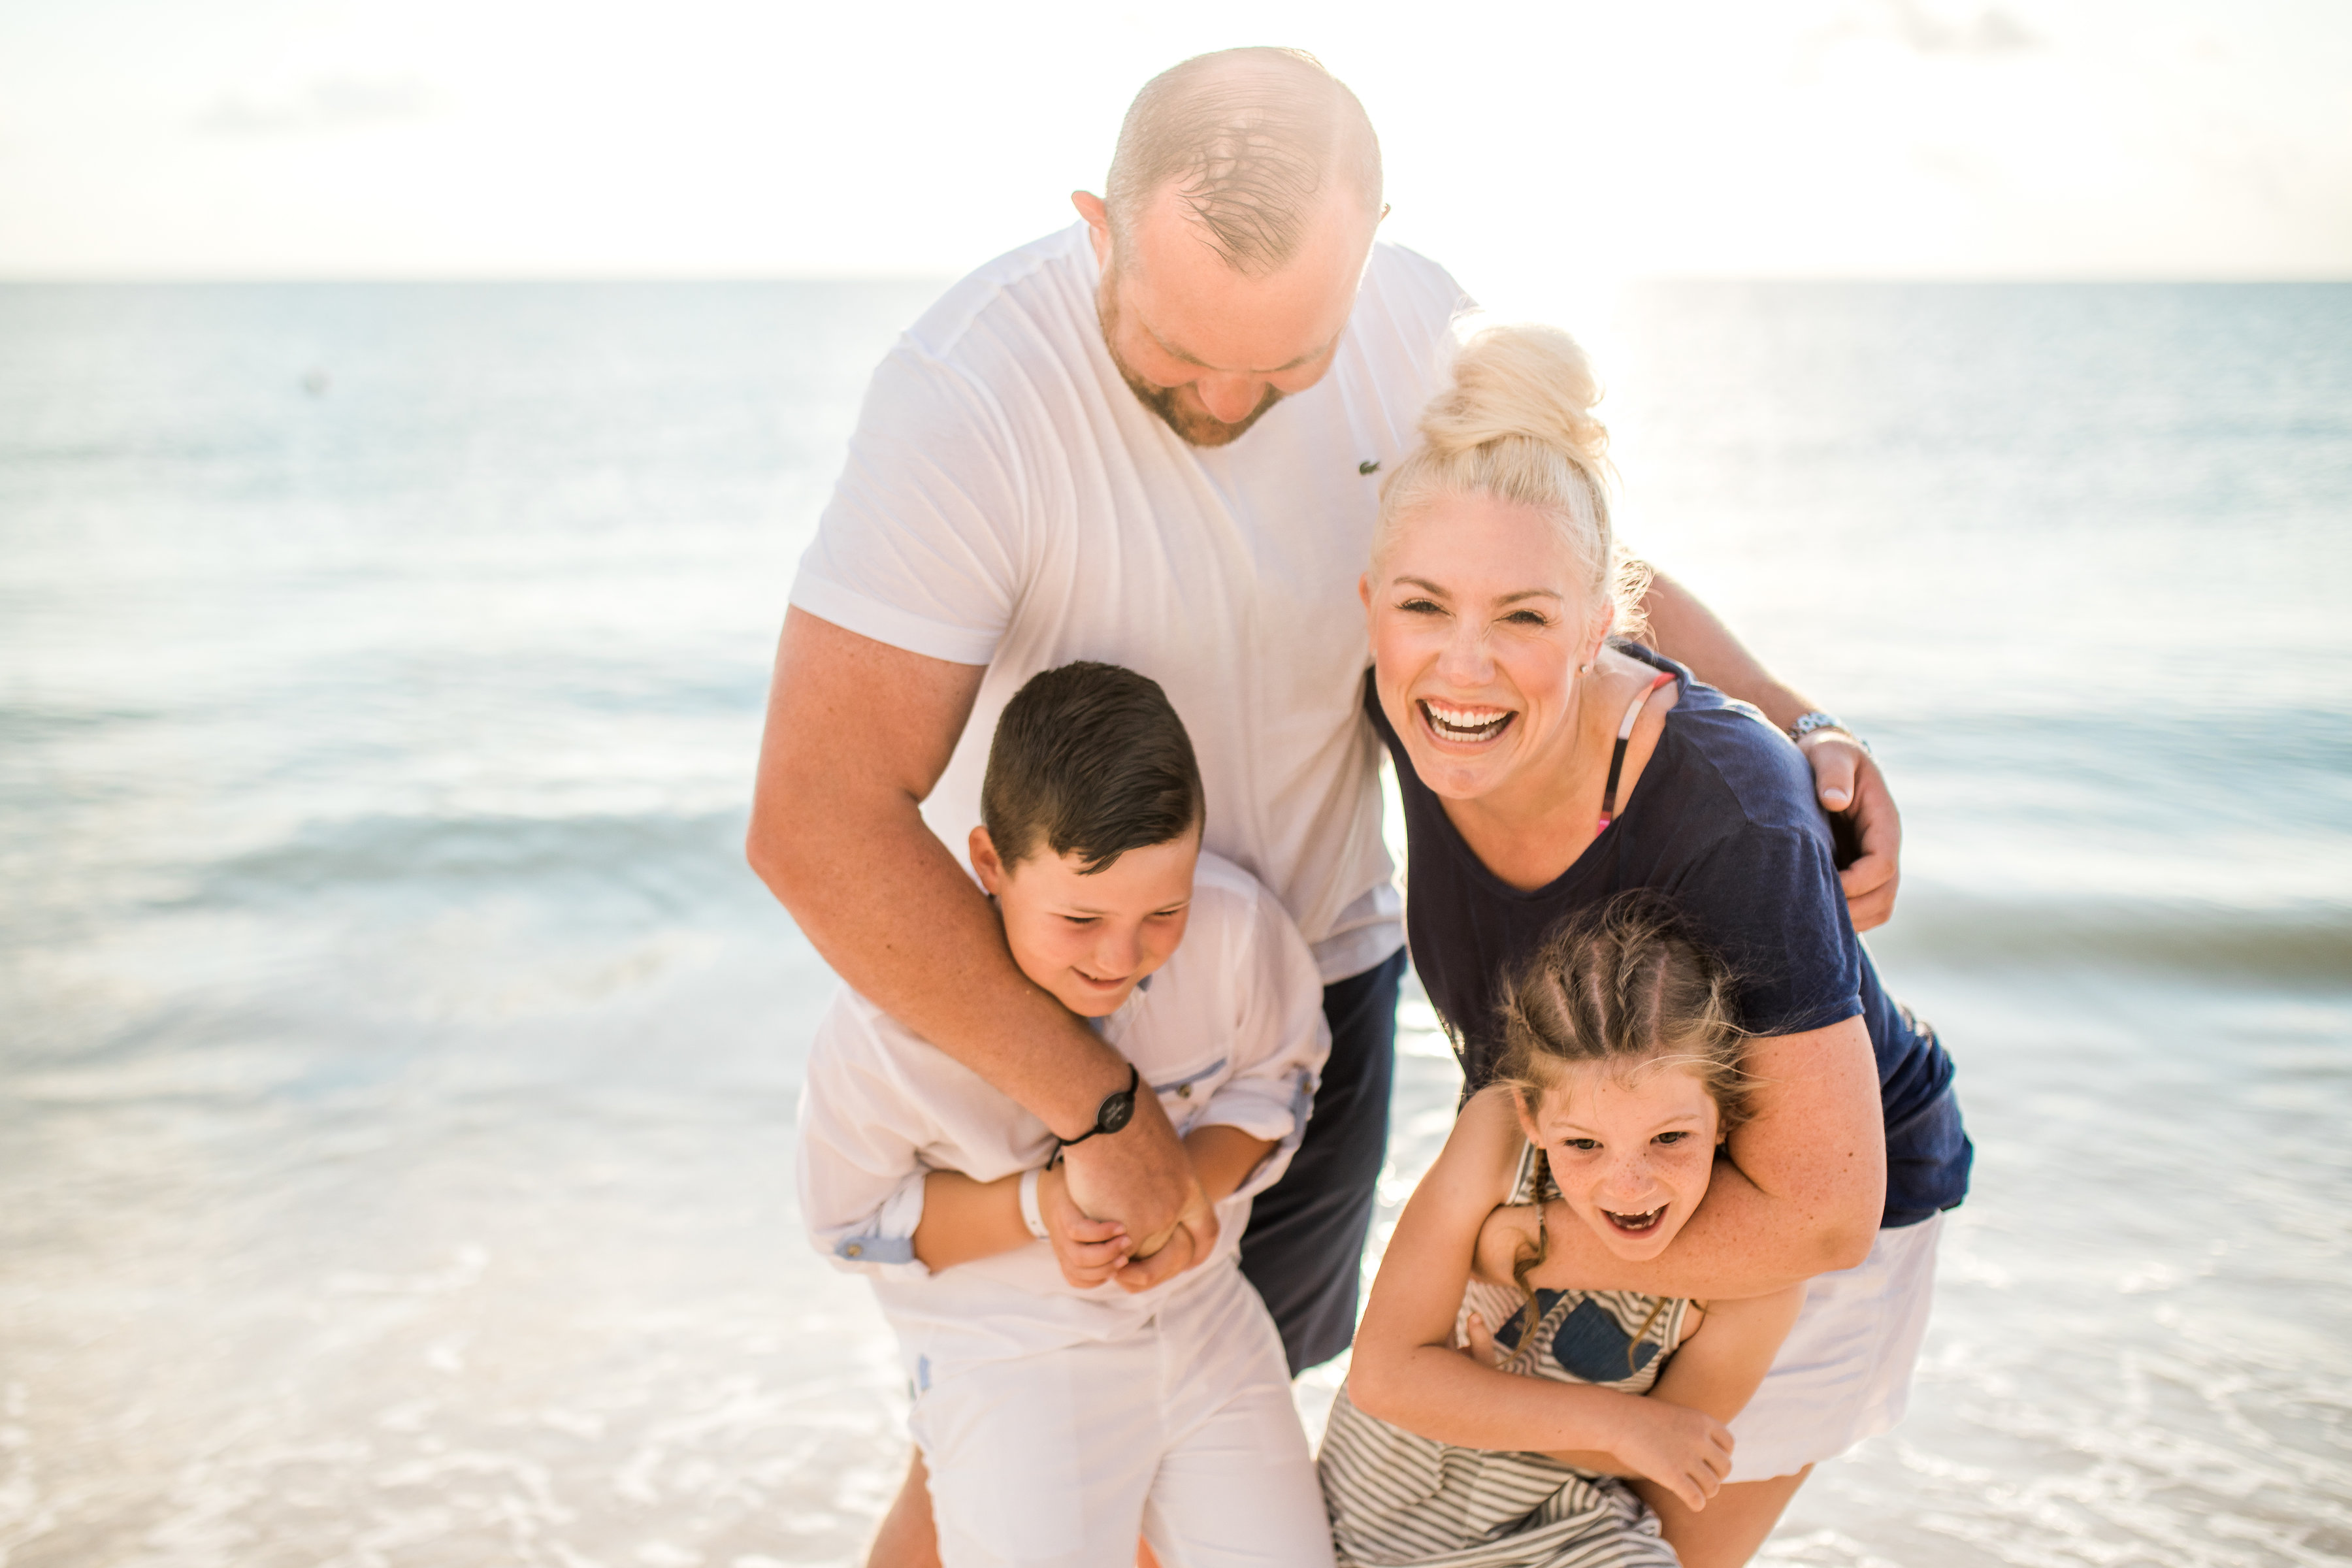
1807 723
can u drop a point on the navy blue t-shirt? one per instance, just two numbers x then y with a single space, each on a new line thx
1723 821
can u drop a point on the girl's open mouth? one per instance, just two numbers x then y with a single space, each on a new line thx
1636 1224
1464 726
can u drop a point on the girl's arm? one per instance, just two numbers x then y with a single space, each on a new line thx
1406 1370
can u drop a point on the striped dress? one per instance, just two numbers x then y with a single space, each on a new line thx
1398 1500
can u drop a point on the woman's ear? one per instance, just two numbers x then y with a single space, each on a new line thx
1364 590
985 861
1601 635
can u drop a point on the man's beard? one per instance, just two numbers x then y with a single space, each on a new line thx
1197 427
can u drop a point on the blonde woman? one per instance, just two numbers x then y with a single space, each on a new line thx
1548 762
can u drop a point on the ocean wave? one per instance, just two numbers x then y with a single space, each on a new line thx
2295 943
674 861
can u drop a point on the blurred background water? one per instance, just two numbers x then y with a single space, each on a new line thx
397 1063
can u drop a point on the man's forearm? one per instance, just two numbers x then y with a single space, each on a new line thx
877 896
1688 633
858 733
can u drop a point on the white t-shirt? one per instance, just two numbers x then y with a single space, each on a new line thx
1230 1032
1008 501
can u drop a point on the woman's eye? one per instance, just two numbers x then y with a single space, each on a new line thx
1526 618
1420 607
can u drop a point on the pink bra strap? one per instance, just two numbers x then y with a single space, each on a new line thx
1617 757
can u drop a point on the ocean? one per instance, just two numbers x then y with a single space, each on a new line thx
398 1063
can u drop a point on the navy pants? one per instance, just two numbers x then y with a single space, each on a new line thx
1304 1249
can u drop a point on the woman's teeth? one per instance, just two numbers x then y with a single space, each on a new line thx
1636 1223
1465 724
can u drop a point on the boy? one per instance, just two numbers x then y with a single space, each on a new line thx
1059 1411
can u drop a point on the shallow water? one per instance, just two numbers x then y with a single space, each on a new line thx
397 1069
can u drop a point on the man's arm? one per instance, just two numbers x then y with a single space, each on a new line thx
1845 776
858 735
1801 1192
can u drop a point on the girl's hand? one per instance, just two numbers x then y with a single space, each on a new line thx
1089 1250
1479 1342
1689 1452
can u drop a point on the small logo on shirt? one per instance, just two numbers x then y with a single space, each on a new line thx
1369 465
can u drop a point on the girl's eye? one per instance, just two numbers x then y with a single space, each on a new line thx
1082 920
1670 1137
1582 1145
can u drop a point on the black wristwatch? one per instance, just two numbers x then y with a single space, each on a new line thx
1117 1108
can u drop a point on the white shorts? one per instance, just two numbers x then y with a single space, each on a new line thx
1845 1372
1183 1432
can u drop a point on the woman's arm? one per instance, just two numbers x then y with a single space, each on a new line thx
1800 1192
1407 1372
1845 776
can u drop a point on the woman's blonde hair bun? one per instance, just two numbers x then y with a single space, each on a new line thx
1515 421
1530 382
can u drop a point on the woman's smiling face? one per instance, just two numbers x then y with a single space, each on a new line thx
1478 622
1631 1146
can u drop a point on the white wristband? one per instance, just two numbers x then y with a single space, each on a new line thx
1029 1215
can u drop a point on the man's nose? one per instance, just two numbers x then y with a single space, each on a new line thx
1229 398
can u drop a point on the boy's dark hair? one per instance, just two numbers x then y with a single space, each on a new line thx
1091 758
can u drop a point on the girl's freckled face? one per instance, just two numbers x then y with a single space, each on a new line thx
1631 1146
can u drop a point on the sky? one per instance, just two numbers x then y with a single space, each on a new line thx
1526 144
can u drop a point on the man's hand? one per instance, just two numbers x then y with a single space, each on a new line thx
1689 1452
1191 1242
1848 781
1138 1176
1089 1250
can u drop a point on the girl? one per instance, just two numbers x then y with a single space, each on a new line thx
1619 1080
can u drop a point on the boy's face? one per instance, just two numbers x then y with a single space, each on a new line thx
1088 939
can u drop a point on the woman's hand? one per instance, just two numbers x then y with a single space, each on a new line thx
1687 1451
1847 780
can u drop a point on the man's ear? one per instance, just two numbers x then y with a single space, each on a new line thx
984 860
1091 208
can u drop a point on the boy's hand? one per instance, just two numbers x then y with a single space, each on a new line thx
1089 1250
1689 1452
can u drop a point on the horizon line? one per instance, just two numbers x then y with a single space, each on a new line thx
894 274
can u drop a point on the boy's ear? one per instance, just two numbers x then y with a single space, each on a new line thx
985 862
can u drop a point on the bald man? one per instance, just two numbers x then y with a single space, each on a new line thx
1154 439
